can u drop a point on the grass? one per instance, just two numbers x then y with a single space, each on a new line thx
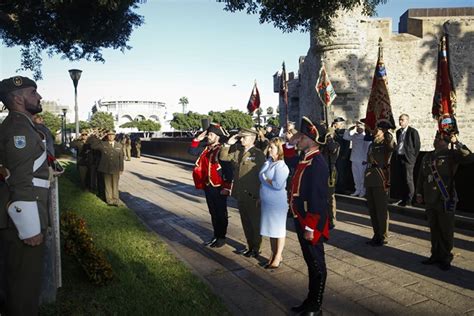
148 280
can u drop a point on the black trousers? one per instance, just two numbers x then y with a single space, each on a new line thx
217 204
316 262
405 171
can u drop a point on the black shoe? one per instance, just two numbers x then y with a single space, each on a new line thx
430 260
445 266
312 313
376 243
252 253
402 203
241 251
300 308
220 242
210 242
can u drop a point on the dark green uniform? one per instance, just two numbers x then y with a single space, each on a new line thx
23 211
110 165
330 152
246 188
441 221
377 179
82 159
127 148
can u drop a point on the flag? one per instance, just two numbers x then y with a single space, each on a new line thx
284 91
324 87
254 101
444 99
379 108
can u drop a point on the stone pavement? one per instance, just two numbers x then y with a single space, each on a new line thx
362 280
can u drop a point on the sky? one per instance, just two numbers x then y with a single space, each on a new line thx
189 48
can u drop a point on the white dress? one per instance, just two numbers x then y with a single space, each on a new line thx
273 198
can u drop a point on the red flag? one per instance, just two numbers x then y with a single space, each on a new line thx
254 101
284 91
444 100
379 108
324 87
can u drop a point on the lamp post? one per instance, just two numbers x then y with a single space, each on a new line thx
75 76
63 134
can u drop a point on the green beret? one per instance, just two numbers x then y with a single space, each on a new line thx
247 132
15 83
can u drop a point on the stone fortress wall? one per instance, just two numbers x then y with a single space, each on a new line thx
410 58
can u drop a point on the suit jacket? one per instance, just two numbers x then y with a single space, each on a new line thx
411 144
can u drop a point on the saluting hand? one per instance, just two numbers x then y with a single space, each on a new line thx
232 140
34 241
201 136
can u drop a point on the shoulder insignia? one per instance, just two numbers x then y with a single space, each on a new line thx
19 141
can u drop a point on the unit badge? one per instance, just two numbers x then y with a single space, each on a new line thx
19 141
17 81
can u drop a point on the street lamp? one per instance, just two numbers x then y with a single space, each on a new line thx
75 76
64 127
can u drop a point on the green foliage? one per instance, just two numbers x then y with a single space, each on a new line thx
190 121
73 29
274 121
52 122
78 243
303 15
184 102
82 126
144 125
231 119
102 120
146 275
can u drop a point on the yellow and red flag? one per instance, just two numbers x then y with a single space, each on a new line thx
444 100
324 87
379 109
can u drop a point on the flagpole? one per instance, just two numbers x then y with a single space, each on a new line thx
325 108
285 93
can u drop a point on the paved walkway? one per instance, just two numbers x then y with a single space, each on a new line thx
361 280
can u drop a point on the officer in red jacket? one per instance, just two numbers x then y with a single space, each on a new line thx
309 204
215 178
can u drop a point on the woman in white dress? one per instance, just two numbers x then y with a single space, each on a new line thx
274 202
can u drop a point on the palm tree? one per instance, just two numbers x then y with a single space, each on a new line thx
184 102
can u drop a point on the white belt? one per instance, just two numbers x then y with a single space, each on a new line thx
39 161
37 182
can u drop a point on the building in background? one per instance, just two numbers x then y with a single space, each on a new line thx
410 57
125 111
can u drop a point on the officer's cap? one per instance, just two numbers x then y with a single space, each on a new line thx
217 129
338 120
247 132
110 132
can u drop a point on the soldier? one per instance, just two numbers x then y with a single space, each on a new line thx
435 186
309 205
215 178
330 151
110 165
377 181
247 160
138 147
127 147
83 149
24 196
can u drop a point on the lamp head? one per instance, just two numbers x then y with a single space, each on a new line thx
75 76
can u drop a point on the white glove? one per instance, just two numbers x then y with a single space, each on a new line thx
25 216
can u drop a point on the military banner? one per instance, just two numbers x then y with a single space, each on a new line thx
444 100
254 101
284 91
324 87
379 108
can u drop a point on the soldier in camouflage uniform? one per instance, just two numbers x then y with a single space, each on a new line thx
23 198
435 187
377 181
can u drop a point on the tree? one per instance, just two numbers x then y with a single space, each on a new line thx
187 122
274 121
303 15
82 126
73 29
269 110
184 102
102 120
51 121
231 119
143 125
